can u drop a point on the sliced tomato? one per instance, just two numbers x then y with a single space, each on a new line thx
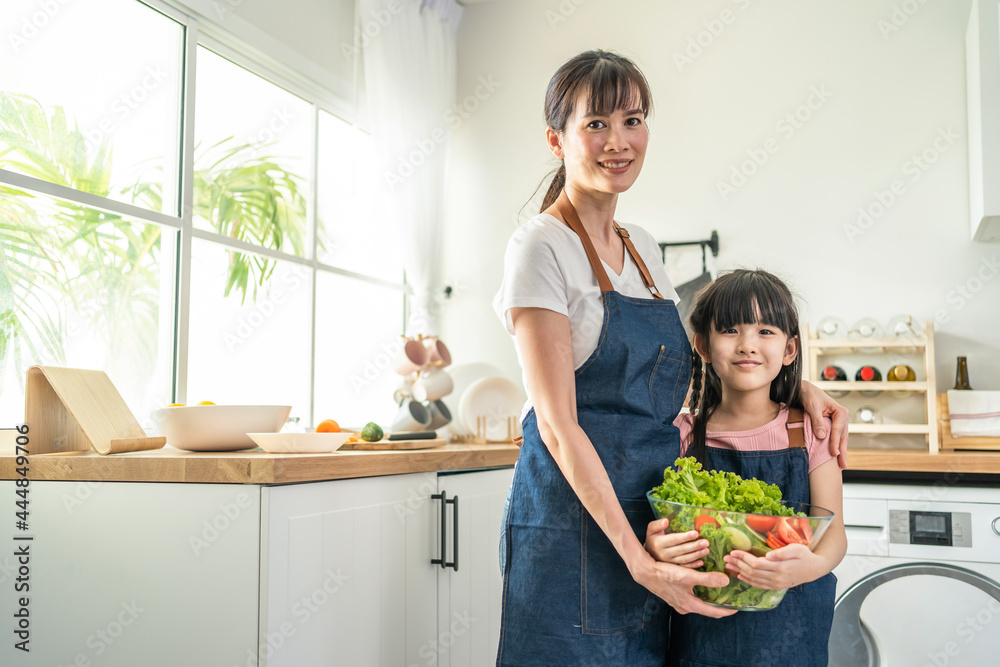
788 534
761 523
805 530
774 541
704 520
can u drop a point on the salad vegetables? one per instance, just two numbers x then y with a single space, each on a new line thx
746 515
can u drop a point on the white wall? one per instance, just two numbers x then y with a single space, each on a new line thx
889 96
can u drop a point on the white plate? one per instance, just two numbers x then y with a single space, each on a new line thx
300 443
218 428
495 398
464 375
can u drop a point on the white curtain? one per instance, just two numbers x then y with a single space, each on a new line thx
408 48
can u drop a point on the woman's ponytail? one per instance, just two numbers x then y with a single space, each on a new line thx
555 187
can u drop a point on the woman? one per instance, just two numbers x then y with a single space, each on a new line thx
607 366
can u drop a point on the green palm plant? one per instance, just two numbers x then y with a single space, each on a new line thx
61 255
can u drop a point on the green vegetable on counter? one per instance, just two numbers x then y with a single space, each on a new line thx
372 432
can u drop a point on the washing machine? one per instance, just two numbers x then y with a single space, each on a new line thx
920 584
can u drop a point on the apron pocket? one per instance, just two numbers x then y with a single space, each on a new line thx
669 382
612 602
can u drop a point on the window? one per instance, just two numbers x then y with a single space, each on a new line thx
265 277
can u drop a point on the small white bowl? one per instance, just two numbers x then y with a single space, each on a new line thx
218 428
300 443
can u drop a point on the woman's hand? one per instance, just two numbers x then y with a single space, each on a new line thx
818 405
684 549
673 584
782 568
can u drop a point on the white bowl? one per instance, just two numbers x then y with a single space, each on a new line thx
218 428
300 443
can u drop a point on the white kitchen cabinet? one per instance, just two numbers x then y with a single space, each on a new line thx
982 64
469 598
227 575
345 574
125 574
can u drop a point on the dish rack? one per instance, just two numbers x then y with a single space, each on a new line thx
479 437
921 346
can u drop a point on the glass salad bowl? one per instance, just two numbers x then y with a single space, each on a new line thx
757 534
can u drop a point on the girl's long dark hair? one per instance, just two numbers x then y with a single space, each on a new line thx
611 82
740 297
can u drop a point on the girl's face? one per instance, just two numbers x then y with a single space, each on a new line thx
747 357
602 154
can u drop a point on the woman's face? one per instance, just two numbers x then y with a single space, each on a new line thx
602 153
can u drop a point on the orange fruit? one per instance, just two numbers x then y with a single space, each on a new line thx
206 403
328 426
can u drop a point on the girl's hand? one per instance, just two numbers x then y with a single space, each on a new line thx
782 568
684 549
818 405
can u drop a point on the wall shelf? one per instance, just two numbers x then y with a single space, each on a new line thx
815 348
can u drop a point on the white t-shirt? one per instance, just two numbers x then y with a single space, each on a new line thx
546 266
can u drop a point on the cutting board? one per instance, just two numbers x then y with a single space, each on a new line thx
393 444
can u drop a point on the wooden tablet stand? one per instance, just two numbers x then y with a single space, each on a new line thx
71 409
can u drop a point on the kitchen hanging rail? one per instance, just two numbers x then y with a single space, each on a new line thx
711 242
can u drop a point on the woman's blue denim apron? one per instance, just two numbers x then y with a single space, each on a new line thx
796 633
568 598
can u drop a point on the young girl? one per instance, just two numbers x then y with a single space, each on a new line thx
746 418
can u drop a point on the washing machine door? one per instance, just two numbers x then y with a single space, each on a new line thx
937 620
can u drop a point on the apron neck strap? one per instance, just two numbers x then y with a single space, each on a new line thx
647 279
795 428
566 210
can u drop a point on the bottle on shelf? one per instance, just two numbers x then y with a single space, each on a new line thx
866 328
904 326
868 414
835 374
868 374
901 373
962 374
831 327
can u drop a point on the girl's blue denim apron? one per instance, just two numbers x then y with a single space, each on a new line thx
568 598
796 633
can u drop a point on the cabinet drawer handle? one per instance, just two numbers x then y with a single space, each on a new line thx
443 497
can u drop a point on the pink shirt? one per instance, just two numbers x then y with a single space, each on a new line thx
769 437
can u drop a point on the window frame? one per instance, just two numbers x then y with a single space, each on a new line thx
212 37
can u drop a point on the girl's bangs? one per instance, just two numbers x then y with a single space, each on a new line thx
740 301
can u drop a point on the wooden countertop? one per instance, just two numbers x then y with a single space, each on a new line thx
944 462
258 467
253 466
